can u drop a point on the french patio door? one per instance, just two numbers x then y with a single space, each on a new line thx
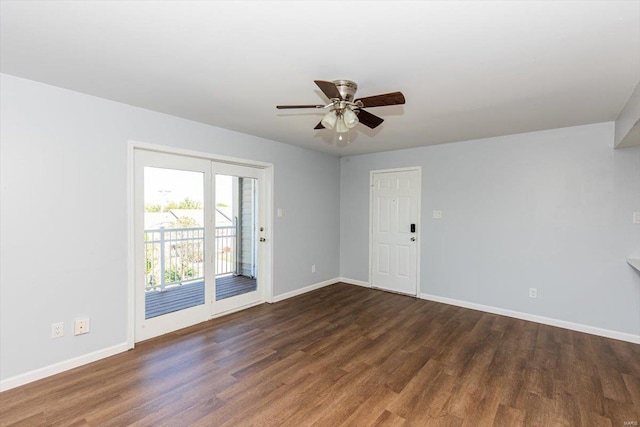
197 240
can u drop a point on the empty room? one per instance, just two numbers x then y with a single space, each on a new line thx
355 213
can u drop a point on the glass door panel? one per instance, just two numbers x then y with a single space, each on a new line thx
237 218
173 275
174 240
236 230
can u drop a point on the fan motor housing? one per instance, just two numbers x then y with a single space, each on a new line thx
347 89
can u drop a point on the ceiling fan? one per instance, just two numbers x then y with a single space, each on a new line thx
344 111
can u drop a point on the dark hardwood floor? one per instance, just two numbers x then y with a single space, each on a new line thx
345 355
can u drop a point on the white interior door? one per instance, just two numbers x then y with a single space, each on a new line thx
174 276
395 201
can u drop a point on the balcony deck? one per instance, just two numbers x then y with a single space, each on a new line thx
190 295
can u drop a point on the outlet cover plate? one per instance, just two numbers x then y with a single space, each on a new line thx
57 330
81 326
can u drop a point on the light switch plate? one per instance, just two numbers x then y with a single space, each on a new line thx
437 214
636 217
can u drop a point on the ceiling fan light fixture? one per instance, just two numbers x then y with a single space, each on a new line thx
329 120
341 126
350 118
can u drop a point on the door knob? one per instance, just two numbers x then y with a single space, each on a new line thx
413 239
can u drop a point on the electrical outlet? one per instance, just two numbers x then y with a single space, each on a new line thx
437 214
636 217
313 268
533 293
57 330
81 326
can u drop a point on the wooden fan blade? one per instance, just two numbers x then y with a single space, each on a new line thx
368 119
319 126
329 89
393 98
286 107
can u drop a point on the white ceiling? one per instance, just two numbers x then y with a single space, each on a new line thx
467 69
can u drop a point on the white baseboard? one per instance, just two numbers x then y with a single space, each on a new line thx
56 368
622 336
304 290
353 282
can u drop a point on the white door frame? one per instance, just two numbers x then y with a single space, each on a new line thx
266 261
418 224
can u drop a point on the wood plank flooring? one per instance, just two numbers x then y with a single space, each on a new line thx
230 286
345 355
177 298
174 298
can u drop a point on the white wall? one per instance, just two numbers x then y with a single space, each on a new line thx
550 210
63 217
